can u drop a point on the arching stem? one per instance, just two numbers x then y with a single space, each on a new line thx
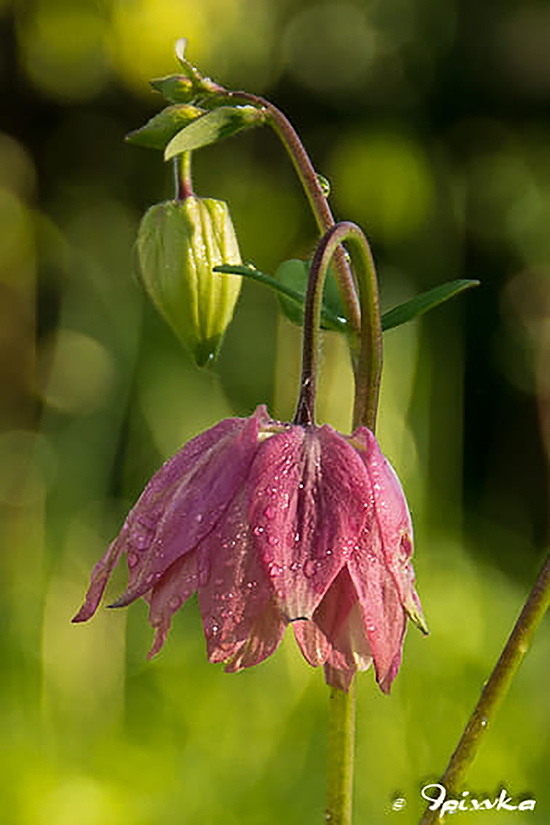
369 364
316 197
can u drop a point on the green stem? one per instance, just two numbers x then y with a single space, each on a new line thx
497 686
369 364
341 740
314 192
183 180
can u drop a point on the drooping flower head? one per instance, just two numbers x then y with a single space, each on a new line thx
272 524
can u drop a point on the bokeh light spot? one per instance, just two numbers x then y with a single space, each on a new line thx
330 47
383 180
77 372
63 49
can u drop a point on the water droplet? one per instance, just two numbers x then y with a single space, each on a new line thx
132 560
272 540
214 629
150 578
274 570
310 568
199 517
270 511
296 538
295 566
175 602
252 585
140 541
258 530
484 721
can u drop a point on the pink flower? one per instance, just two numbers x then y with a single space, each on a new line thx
274 523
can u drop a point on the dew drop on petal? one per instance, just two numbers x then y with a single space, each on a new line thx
252 585
175 602
272 540
270 512
274 570
295 566
310 568
133 559
140 541
199 517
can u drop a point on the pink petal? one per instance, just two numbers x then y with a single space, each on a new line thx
308 493
383 613
188 497
100 577
233 587
336 636
263 640
312 642
392 525
174 588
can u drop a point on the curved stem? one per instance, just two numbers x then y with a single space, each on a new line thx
369 365
497 687
318 202
341 746
183 180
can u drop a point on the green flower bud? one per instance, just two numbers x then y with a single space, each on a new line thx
179 243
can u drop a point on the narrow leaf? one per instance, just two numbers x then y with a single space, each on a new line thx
424 302
295 298
292 298
159 131
213 126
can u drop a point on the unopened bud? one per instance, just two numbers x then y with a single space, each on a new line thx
179 244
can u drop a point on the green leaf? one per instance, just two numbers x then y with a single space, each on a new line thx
159 131
291 282
213 126
291 299
424 302
175 87
294 275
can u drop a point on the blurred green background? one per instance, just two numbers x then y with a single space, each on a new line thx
431 120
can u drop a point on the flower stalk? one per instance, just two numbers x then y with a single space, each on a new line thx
369 364
496 687
315 195
340 757
341 735
183 181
